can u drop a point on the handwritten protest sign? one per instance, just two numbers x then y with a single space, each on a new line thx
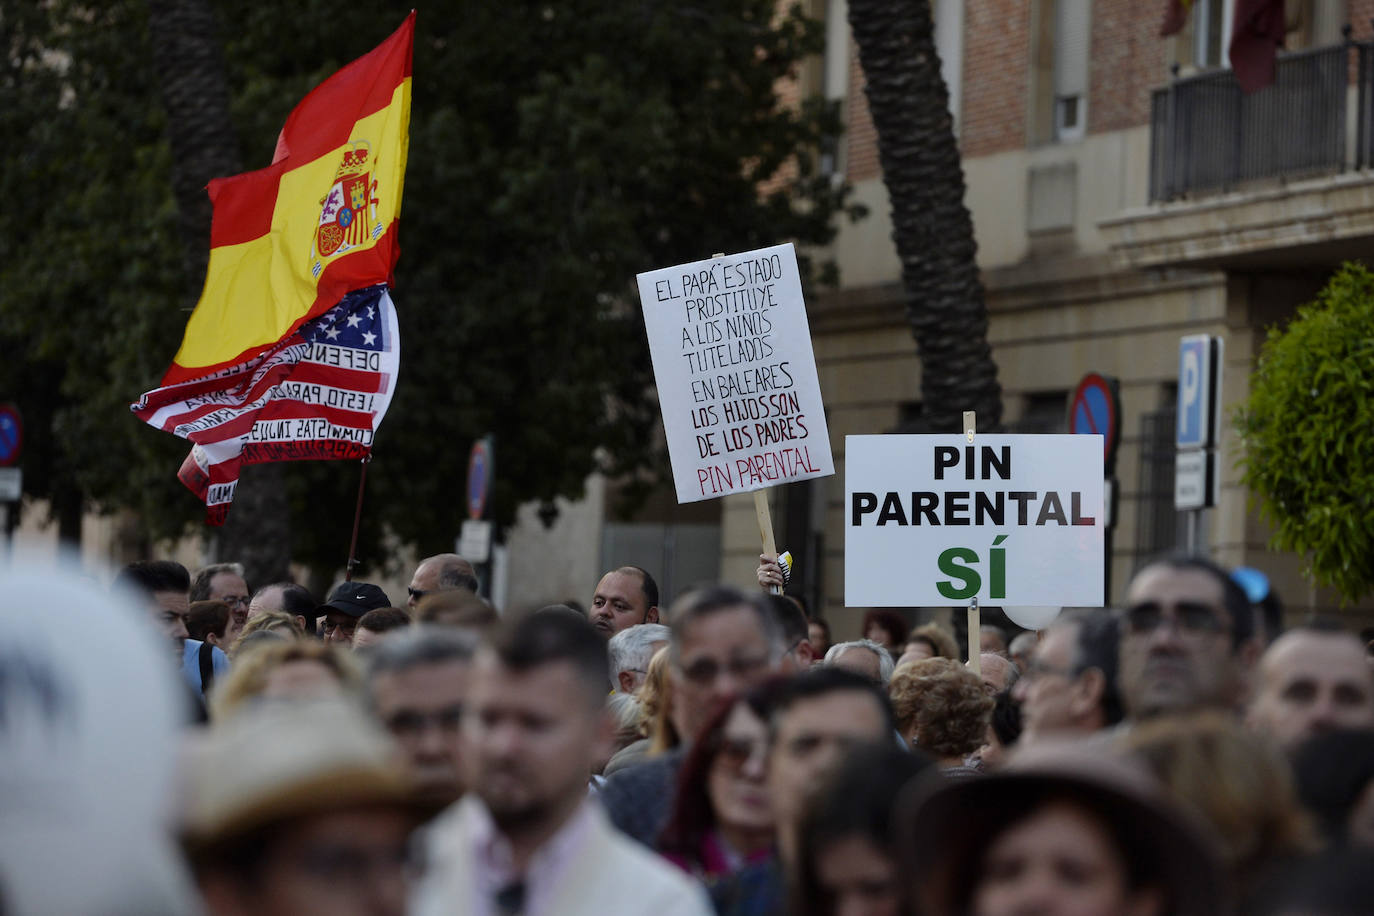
1010 520
736 374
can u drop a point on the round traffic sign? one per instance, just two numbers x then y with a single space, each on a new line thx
1096 409
11 435
479 477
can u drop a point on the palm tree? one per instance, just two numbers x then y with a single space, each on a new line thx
932 229
195 92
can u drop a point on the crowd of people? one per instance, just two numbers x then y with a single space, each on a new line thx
1184 755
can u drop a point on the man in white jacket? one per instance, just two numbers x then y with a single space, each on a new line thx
528 839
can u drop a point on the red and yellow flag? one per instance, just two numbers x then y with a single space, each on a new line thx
289 241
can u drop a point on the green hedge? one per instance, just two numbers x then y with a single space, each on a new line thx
1308 434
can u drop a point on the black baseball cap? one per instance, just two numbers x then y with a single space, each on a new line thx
355 599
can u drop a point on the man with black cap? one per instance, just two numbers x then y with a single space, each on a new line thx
348 602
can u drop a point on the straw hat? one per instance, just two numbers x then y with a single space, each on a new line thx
948 824
281 760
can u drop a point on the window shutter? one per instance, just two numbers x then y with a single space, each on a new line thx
1071 30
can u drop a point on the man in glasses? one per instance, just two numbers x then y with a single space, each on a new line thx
1185 639
417 682
438 573
224 582
723 643
347 603
1069 687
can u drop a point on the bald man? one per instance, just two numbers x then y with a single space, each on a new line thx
439 573
1313 679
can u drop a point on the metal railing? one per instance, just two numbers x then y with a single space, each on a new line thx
1208 136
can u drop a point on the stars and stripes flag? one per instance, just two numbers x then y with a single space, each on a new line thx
293 350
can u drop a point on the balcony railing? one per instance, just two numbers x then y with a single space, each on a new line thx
1208 136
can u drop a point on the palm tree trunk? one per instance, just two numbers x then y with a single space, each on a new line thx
195 91
931 227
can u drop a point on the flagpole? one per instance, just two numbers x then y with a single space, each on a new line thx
357 520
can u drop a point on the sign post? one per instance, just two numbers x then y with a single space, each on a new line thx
1198 431
474 543
1095 410
1010 520
736 377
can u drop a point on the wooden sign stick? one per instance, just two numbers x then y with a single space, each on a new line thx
975 624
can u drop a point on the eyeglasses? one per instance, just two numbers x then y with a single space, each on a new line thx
235 600
416 593
1193 618
411 722
706 671
331 626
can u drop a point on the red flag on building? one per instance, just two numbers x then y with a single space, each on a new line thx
293 350
1256 35
1176 17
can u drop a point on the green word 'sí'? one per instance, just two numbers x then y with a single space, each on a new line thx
957 562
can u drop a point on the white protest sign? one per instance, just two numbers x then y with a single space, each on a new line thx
736 375
937 520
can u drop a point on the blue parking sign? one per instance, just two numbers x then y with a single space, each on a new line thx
1199 358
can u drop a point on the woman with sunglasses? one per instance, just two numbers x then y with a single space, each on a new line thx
721 818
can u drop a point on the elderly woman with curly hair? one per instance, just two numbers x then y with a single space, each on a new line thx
942 709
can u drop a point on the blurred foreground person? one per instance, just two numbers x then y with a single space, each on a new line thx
417 684
722 643
818 718
527 838
721 817
293 670
1335 777
1312 679
1069 688
1186 639
1339 882
92 708
847 858
1233 780
458 608
298 810
1061 831
942 708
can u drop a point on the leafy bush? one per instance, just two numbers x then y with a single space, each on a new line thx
1308 434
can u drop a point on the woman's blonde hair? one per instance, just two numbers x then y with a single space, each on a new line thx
248 678
655 703
1234 780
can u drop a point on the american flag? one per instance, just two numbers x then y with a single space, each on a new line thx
320 392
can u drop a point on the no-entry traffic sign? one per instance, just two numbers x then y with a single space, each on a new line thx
11 435
1095 409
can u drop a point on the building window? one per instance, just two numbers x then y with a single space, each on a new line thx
1060 70
1211 32
1160 528
1071 29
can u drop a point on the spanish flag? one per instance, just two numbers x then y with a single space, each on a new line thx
293 350
288 241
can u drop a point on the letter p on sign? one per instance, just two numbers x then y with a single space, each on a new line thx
1199 359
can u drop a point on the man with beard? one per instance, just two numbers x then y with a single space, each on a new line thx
527 838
